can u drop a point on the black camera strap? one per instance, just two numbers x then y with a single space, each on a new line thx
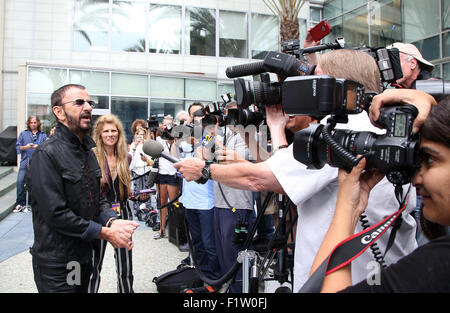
348 250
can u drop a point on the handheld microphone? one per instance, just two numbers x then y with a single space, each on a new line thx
156 150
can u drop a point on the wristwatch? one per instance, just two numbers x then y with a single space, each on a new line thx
206 174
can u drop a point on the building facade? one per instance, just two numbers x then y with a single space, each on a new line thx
143 57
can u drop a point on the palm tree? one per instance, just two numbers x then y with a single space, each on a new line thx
287 11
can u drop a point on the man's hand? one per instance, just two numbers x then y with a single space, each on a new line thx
228 156
191 168
276 117
119 234
421 100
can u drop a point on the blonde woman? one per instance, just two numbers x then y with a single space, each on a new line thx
113 158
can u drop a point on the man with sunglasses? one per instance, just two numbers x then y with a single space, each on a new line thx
28 141
69 210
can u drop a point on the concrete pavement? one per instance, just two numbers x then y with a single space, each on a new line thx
150 258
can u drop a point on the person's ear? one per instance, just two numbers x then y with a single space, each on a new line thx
413 63
59 112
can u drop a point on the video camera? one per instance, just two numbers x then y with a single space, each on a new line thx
395 153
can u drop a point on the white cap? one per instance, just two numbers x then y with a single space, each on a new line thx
412 50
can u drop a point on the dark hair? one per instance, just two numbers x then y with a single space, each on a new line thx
37 120
436 128
437 125
58 94
192 105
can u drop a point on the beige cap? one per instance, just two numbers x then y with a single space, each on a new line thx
412 50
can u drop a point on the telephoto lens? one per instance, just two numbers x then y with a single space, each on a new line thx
259 93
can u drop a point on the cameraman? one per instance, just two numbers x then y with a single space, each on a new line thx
414 66
433 183
198 200
315 191
233 207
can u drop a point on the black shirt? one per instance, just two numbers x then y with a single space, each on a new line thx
426 269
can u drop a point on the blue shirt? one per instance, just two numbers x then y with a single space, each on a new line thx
196 196
25 138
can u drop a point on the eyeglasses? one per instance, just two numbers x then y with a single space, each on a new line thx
80 102
34 138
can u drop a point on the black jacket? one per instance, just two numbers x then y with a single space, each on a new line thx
68 207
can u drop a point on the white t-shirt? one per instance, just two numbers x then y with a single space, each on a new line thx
137 165
165 166
314 192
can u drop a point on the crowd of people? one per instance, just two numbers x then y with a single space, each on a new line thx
80 189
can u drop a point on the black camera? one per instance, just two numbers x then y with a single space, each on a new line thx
153 124
395 153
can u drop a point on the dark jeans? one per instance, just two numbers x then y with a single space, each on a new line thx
227 251
20 199
201 227
73 278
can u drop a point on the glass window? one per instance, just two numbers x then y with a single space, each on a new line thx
352 4
224 89
101 102
314 14
420 19
332 9
200 89
437 71
356 32
95 82
39 105
446 75
158 87
265 35
45 80
91 24
166 107
128 110
233 34
446 43
129 84
164 29
386 27
128 26
429 48
200 31
445 14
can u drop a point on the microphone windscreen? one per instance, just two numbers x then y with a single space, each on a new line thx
152 148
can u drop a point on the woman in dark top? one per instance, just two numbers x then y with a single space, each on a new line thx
112 155
427 269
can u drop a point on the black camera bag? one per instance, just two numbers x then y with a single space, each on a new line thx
177 280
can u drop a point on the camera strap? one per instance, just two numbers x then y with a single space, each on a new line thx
348 250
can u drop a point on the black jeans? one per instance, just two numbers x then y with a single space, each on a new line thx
72 278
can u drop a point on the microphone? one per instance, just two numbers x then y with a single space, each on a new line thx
253 68
156 150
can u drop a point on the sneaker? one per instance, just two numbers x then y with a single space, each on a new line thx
26 209
158 236
18 208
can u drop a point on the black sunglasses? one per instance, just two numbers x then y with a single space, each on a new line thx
80 102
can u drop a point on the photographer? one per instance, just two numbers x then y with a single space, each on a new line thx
198 200
167 185
433 183
414 66
314 191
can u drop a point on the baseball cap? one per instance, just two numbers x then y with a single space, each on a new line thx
412 50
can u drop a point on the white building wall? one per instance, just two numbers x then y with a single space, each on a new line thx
41 30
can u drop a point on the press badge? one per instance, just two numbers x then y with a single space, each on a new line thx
116 207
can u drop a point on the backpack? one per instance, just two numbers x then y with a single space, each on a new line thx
177 280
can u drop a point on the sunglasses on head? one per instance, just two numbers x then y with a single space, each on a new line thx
80 102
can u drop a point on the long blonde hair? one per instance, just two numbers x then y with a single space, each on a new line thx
123 169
